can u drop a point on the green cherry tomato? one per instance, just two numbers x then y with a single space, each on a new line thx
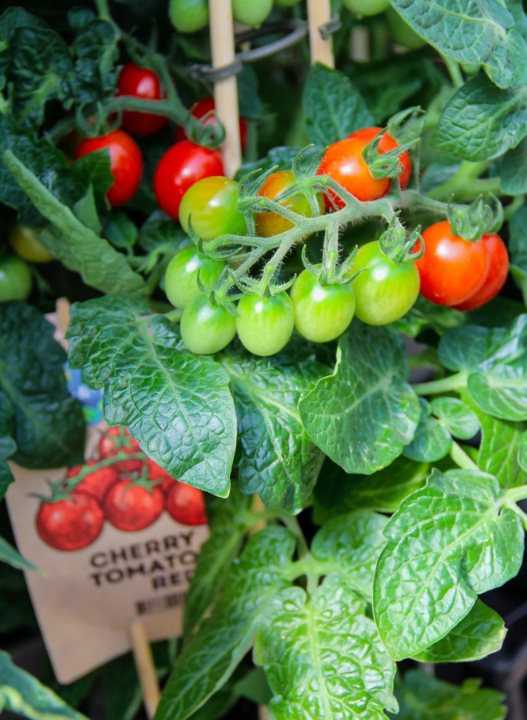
211 205
15 279
384 291
265 325
366 7
402 32
321 313
271 223
206 328
286 3
25 242
251 12
181 277
189 16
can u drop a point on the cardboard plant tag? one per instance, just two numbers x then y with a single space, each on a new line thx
117 541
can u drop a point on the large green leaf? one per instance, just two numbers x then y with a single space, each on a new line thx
178 406
47 423
518 238
446 543
499 450
365 413
12 557
213 653
514 170
279 461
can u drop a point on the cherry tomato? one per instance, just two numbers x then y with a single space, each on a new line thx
205 328
265 325
189 16
70 523
322 313
118 440
25 242
271 223
366 7
15 279
251 12
181 167
96 483
204 107
286 3
159 476
384 291
181 277
452 269
386 144
142 83
498 271
126 163
186 504
132 505
402 33
211 206
343 162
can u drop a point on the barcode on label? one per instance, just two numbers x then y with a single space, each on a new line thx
146 607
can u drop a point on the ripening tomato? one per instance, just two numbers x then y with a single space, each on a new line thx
159 476
384 291
126 163
366 7
251 12
25 242
181 167
452 269
96 483
210 205
498 271
186 504
118 440
386 144
133 505
402 32
141 83
15 279
204 107
271 223
265 325
70 523
206 328
322 313
189 16
181 277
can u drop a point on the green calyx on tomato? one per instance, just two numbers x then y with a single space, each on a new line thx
15 279
206 328
265 324
189 16
25 242
181 277
269 224
210 207
322 312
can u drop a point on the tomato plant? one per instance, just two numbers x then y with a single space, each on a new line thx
206 328
366 7
270 223
322 312
132 505
140 82
210 205
25 242
251 12
498 271
205 108
15 279
265 324
181 277
70 523
189 16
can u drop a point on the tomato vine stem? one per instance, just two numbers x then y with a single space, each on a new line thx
460 457
452 382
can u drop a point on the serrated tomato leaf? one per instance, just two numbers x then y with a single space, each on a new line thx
499 450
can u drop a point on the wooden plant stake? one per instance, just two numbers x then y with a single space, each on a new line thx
226 90
144 663
319 13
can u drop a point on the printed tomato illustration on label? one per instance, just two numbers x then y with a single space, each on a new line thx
121 486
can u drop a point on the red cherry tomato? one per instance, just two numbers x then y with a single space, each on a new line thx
452 269
186 505
181 167
161 477
498 271
202 108
140 83
126 163
116 440
96 483
131 506
70 524
386 144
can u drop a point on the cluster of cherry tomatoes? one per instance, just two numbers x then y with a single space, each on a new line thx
189 16
129 493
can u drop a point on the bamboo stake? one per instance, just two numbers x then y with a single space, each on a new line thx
144 663
225 91
319 13
63 317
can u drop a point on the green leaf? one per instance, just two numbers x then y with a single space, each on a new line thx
482 122
279 461
48 425
323 657
460 421
432 441
12 557
213 653
7 444
121 231
365 413
23 694
74 244
470 32
499 451
177 406
159 232
333 107
518 238
446 543
424 697
426 314
280 157
514 170
479 634
350 545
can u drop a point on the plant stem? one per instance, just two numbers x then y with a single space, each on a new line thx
519 512
515 205
452 382
454 71
516 494
466 183
293 526
174 315
460 457
103 10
